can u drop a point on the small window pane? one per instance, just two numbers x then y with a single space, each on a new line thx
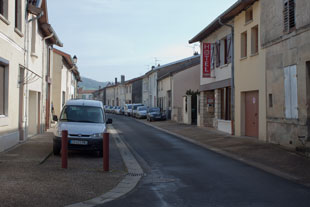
244 44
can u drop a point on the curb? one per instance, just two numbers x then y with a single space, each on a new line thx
130 181
233 156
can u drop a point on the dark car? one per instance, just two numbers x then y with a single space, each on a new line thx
154 114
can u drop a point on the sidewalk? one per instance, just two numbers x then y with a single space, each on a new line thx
266 156
30 175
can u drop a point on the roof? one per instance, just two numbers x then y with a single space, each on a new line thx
225 17
45 27
133 80
82 102
67 58
175 67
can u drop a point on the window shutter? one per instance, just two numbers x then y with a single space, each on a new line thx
294 93
212 56
229 48
218 54
287 91
291 13
286 16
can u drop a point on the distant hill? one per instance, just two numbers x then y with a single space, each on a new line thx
90 84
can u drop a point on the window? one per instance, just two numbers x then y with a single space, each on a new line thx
2 92
254 40
249 15
244 38
270 100
289 15
3 88
290 88
63 98
4 8
18 15
221 52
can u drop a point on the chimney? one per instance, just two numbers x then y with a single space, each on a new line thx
122 79
115 81
153 67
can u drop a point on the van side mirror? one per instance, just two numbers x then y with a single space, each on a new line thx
55 118
109 121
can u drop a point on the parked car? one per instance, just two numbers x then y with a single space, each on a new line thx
141 112
117 110
154 114
85 122
128 109
134 109
121 111
109 109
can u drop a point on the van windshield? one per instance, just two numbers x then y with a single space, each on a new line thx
87 114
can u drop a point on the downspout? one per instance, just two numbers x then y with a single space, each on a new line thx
232 75
47 108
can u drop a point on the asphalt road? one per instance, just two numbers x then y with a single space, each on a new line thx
180 174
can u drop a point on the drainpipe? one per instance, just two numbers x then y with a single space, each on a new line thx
43 78
232 75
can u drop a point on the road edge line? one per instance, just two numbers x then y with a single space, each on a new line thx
129 182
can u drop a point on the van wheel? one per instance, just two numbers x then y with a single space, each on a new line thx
56 150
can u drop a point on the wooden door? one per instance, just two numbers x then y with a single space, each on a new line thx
251 114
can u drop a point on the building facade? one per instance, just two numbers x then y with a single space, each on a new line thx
285 36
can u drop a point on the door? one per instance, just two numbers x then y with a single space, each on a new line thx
251 114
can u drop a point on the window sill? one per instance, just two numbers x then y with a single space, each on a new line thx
4 19
254 54
4 120
34 55
248 22
19 32
243 58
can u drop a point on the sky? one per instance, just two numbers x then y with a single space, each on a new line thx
126 37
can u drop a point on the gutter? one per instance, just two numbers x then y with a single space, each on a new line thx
232 74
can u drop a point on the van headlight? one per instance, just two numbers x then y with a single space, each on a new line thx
97 135
58 133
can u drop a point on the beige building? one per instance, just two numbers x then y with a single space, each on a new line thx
65 77
285 32
250 74
25 40
170 91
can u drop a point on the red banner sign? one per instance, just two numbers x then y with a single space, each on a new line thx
206 65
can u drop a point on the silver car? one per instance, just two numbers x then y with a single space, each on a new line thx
85 122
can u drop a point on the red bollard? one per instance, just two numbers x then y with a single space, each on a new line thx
64 149
106 152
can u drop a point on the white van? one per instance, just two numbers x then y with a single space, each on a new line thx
85 122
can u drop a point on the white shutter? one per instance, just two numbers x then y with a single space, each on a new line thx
287 91
294 93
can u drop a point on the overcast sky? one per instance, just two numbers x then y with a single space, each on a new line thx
123 37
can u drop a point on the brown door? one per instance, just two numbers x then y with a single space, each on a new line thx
251 114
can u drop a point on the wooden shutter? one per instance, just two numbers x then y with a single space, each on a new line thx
218 53
286 16
294 92
212 56
291 13
229 48
291 92
287 92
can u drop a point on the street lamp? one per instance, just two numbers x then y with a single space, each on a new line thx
74 59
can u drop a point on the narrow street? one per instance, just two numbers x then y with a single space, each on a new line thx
178 173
